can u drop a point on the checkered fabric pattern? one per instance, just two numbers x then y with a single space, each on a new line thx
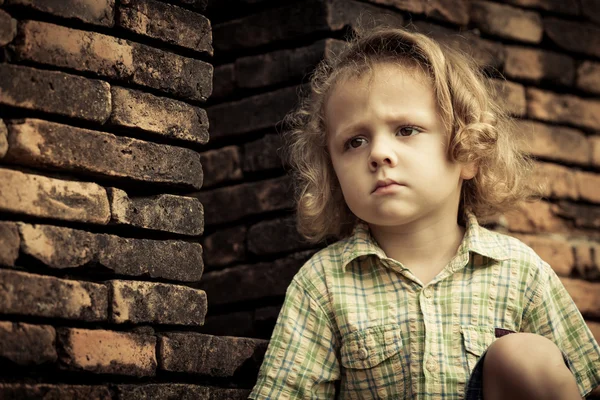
358 325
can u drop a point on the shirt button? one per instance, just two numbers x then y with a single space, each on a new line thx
427 292
363 354
431 365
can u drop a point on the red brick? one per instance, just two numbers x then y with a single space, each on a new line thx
8 28
536 217
40 196
561 6
157 303
107 352
507 22
221 165
44 296
215 356
59 247
588 185
225 246
179 391
97 12
162 116
39 143
9 243
579 37
69 95
582 215
595 148
23 391
588 77
585 294
591 9
26 344
275 236
564 108
587 260
557 253
557 181
538 65
164 212
246 199
251 282
555 143
511 96
263 154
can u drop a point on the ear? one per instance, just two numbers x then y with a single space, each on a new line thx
468 171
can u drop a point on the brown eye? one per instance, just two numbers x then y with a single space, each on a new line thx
355 142
408 131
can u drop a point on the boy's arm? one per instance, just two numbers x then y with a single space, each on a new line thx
553 314
301 360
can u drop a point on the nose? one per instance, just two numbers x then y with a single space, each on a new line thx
382 154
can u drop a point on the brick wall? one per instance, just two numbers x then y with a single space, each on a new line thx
549 52
102 125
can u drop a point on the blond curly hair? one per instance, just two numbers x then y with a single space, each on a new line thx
479 128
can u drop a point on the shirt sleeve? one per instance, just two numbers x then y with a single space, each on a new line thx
301 360
553 314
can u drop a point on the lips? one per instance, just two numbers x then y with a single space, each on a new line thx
385 183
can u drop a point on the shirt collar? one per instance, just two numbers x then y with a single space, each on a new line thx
476 240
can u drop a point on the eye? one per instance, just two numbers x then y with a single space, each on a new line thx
408 131
355 143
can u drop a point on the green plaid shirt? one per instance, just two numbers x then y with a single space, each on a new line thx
358 324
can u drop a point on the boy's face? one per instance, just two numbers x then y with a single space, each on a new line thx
384 129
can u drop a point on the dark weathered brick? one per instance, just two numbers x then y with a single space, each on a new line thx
538 65
275 236
54 92
59 247
511 96
563 108
223 81
197 5
48 144
44 296
507 22
579 37
555 142
3 139
159 115
27 344
9 243
561 6
265 153
246 199
588 76
107 352
41 196
455 11
591 10
239 324
114 58
250 282
211 355
221 165
225 246
179 391
164 212
24 391
159 303
168 23
98 12
8 28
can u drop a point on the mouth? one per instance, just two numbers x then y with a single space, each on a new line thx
386 185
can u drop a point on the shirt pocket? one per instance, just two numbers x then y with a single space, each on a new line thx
476 340
373 365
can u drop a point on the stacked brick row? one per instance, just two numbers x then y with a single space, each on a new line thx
549 53
102 122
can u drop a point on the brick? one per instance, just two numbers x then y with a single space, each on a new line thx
45 197
595 148
507 22
107 352
23 391
23 293
590 9
564 108
263 154
26 344
578 37
275 236
224 82
558 253
39 143
211 355
303 18
168 23
221 165
239 324
54 92
412 6
588 77
536 217
198 5
251 282
587 260
9 243
595 329
511 96
97 12
8 28
164 212
538 65
588 186
555 143
246 199
3 139
59 247
586 296
225 246
454 11
114 58
557 181
582 215
180 391
162 116
252 113
560 6
157 303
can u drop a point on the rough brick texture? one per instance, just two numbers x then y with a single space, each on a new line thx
179 391
221 165
3 139
97 12
26 344
9 243
53 392
8 28
566 109
225 246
